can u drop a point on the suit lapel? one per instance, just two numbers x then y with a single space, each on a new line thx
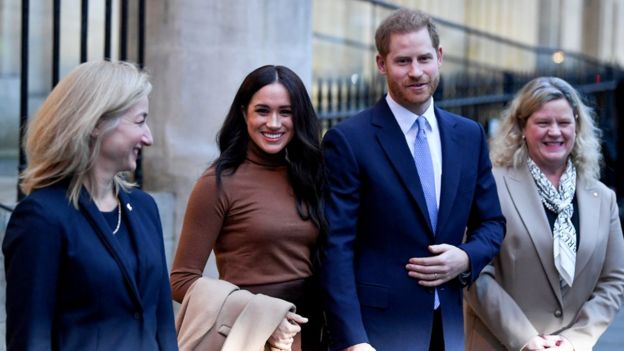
451 153
392 141
588 206
137 231
102 230
524 195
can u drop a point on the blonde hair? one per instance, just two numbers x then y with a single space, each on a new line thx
60 143
507 147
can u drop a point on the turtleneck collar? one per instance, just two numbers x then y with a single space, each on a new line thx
258 156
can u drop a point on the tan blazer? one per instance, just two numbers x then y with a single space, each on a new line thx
216 315
518 296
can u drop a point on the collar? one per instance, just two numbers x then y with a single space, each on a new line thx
258 156
406 118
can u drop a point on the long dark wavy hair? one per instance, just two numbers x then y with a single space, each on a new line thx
305 161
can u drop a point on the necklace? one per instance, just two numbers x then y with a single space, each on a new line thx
118 218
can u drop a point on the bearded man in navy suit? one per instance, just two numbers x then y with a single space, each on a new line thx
412 209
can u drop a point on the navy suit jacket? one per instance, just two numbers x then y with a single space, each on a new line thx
378 220
68 287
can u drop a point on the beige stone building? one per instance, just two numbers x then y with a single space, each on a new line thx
590 27
198 52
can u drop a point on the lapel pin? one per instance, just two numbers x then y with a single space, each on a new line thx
129 207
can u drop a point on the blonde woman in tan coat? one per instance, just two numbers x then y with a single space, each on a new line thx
558 281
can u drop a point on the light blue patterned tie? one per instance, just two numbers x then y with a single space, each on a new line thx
424 165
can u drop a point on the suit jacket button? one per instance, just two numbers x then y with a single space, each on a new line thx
137 315
558 313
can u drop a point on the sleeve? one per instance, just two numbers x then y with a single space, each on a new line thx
337 274
165 334
486 225
499 311
599 311
32 250
202 224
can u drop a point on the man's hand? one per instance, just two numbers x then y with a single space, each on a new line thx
447 263
360 347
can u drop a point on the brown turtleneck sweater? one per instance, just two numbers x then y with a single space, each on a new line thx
251 223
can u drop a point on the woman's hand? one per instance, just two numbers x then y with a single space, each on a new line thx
562 343
283 337
542 342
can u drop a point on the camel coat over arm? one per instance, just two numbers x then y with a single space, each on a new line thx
217 315
518 296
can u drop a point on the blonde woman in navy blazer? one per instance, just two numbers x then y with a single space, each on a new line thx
84 255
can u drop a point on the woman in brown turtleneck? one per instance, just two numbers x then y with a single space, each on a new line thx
258 205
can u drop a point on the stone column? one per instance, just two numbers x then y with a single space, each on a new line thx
198 53
572 25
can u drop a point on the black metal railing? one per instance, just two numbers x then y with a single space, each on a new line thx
124 40
468 94
23 121
6 208
483 98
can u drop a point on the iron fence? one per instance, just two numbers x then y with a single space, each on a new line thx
124 38
483 98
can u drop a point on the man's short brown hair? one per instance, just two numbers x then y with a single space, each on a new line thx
404 21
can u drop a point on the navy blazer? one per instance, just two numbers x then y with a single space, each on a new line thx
378 220
68 288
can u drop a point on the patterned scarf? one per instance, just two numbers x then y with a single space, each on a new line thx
560 202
